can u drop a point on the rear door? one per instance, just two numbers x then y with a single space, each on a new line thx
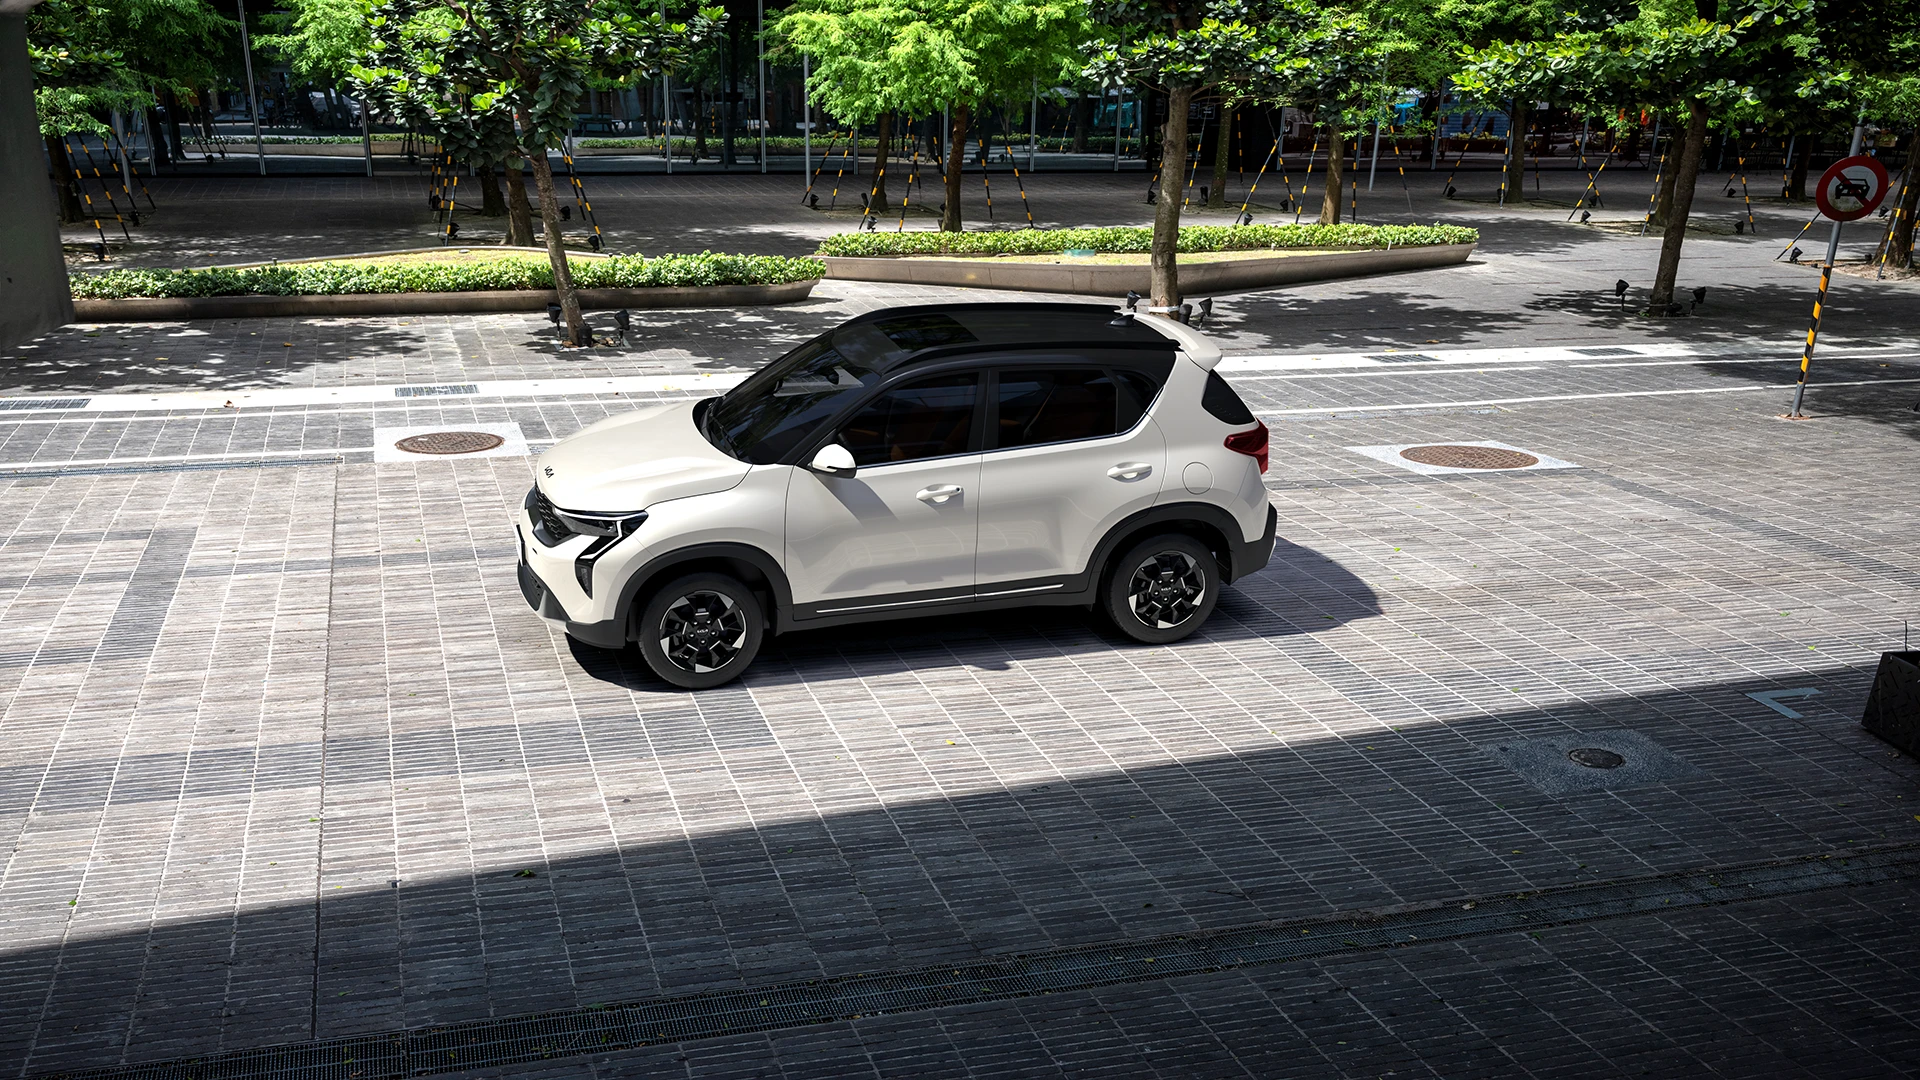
1069 452
901 532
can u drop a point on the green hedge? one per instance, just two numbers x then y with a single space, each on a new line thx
1193 238
336 279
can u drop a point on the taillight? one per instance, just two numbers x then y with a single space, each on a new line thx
1252 443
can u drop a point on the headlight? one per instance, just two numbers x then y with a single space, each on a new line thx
613 526
606 529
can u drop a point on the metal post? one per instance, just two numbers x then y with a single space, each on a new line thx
666 101
253 100
1375 167
1119 106
1826 275
366 133
806 126
760 77
126 170
1033 125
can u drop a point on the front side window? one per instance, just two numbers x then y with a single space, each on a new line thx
930 417
1049 405
766 417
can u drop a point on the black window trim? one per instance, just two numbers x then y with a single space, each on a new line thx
911 375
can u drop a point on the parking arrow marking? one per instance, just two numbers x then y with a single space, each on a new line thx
1770 698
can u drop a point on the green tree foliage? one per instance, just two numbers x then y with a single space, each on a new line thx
501 79
1336 69
876 58
1696 59
92 57
318 40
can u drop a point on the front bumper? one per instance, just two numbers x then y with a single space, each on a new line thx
609 634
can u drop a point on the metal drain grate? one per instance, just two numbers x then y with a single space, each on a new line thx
23 404
496 1043
1469 457
447 390
450 442
1405 358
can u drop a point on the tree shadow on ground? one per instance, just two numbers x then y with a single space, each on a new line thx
1301 823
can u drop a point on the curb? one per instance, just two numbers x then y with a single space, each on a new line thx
1196 278
174 309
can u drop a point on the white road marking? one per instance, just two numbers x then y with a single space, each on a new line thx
1568 397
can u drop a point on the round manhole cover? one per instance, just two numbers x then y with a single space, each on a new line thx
1469 457
1595 758
450 442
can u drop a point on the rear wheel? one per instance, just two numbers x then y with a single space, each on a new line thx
1162 588
701 630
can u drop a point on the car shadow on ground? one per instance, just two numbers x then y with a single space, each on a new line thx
1295 823
1299 591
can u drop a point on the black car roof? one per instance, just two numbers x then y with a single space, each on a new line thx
944 330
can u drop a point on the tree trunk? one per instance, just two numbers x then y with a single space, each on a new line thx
699 124
1797 183
1336 162
1669 179
1166 208
1082 122
519 213
71 209
1900 241
556 251
1686 173
1217 193
491 204
878 196
956 158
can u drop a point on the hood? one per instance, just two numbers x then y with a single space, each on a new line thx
636 459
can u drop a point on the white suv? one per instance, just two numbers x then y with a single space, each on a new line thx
913 461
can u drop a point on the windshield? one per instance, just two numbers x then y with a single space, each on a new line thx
782 404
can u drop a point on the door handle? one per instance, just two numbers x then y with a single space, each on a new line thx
1130 470
938 494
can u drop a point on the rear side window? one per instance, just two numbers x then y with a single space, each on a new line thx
1049 405
1222 403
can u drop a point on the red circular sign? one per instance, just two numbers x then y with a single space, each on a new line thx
1851 188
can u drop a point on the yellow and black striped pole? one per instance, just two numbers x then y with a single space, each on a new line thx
1353 210
80 185
1306 184
1593 179
1820 299
913 173
106 192
1653 200
133 167
595 241
1468 128
985 152
1271 154
853 141
1745 195
1022 184
818 169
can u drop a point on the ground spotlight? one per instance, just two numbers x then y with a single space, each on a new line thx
1699 297
621 322
1245 218
1620 293
1586 216
1739 226
1794 256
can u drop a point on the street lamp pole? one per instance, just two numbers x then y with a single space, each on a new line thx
253 99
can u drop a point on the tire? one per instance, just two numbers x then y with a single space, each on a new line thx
1161 589
700 630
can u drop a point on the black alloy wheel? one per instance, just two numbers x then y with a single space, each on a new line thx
1162 589
701 630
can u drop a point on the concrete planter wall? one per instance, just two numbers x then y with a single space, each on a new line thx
1196 278
241 307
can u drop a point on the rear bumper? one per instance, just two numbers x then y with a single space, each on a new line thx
1251 557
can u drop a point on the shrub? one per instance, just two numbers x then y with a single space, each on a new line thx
339 279
1193 238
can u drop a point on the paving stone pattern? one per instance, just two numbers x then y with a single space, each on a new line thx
350 783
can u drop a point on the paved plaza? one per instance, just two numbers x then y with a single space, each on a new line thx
288 762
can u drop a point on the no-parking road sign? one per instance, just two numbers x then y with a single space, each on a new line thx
1851 188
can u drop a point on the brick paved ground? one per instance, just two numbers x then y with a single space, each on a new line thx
282 738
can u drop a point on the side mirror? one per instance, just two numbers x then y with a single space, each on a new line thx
834 460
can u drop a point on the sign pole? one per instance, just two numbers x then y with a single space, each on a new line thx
1820 300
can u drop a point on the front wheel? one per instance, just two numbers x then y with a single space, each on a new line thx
1162 588
701 630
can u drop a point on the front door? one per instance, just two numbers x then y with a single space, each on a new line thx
900 533
1068 455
